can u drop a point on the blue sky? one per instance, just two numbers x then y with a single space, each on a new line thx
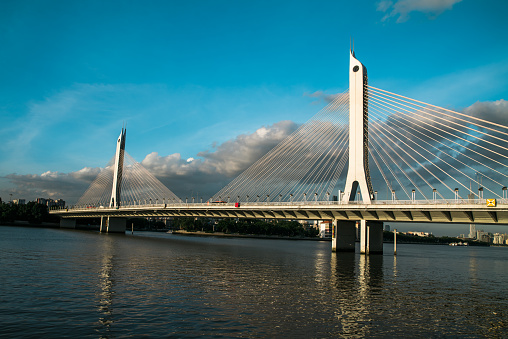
189 77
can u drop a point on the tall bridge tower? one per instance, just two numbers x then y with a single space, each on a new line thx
358 174
115 224
118 169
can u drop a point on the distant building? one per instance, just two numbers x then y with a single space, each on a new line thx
483 236
57 203
325 229
500 239
472 231
419 234
51 203
19 201
42 201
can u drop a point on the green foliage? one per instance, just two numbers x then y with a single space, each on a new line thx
139 223
145 224
32 212
189 224
407 238
246 226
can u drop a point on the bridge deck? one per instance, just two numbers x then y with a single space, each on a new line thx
450 211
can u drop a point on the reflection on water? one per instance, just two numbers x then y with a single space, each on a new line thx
105 287
355 279
67 283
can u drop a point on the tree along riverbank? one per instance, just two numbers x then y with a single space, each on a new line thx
414 239
242 235
31 213
246 226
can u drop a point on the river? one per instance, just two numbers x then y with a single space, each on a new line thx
69 283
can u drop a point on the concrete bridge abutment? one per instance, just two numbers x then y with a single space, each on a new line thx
113 225
371 237
343 236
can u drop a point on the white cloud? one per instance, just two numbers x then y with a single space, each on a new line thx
402 8
495 111
215 168
322 96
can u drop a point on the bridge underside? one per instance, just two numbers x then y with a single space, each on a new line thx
387 213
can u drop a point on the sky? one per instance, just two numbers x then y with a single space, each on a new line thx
207 87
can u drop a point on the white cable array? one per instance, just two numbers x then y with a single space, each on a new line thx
434 150
138 187
306 165
415 147
99 191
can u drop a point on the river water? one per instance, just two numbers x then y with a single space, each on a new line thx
69 283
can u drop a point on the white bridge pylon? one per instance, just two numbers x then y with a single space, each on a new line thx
358 174
117 170
125 182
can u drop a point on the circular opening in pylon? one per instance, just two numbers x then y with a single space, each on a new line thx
356 68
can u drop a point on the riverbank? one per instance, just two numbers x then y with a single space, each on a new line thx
238 235
22 223
416 241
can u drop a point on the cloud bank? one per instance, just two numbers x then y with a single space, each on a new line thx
402 8
205 174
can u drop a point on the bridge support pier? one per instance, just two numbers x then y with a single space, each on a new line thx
343 236
67 223
371 237
113 225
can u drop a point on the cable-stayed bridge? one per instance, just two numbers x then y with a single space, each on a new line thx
370 156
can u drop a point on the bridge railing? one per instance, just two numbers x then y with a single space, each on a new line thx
286 203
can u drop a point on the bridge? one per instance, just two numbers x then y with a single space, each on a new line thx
420 156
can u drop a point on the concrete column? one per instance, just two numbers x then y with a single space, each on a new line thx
104 224
67 223
371 237
375 236
363 237
343 236
113 225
